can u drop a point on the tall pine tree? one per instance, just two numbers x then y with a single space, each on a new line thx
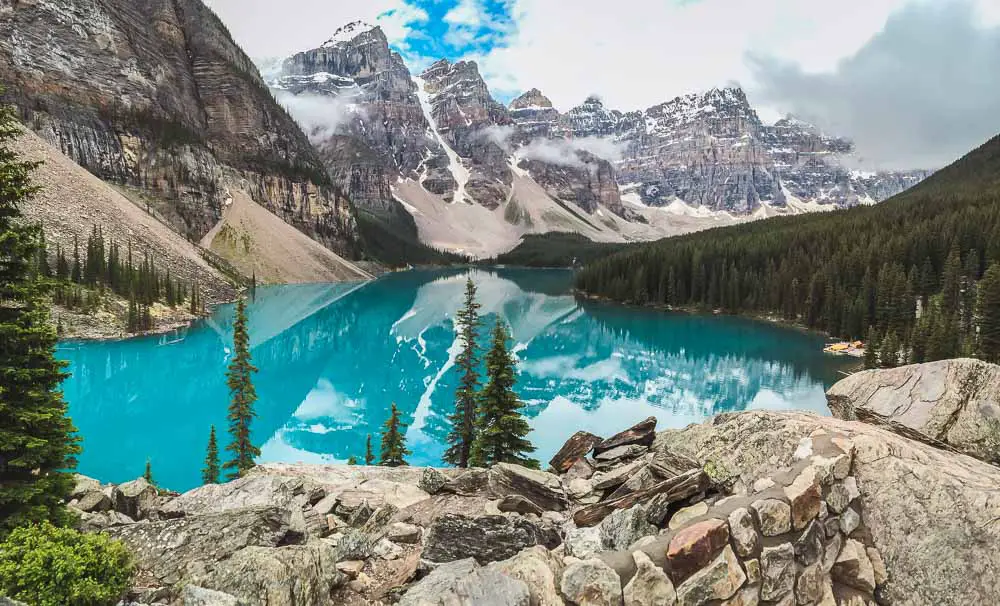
871 349
241 408
989 315
501 428
463 420
369 455
148 474
210 473
37 439
393 449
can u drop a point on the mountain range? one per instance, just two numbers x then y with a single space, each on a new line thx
354 151
476 176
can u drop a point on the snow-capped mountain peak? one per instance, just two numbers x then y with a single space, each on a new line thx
348 33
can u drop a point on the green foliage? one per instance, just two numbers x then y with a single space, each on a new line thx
393 240
369 455
352 460
210 473
37 439
871 349
463 419
43 565
839 272
556 249
393 449
148 473
241 408
989 315
104 267
501 428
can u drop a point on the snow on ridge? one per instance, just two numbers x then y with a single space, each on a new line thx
347 33
458 170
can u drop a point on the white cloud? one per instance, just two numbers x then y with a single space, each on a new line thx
319 115
643 52
266 28
564 152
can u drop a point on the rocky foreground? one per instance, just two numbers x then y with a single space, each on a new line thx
780 508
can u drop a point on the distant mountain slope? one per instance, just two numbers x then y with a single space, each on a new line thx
839 272
695 162
155 95
71 201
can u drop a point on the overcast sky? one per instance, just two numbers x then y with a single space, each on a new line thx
916 83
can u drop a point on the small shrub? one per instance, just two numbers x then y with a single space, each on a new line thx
47 566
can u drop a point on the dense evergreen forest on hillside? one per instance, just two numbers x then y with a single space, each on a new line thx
556 249
393 240
909 275
79 280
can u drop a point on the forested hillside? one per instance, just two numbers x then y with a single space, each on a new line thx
906 274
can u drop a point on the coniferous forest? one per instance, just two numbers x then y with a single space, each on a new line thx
912 276
81 277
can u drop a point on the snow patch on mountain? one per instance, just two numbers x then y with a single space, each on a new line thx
348 33
458 170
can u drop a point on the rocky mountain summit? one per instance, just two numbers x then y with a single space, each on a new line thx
156 98
712 150
747 508
441 147
427 144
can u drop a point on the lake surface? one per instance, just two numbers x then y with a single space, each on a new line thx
333 357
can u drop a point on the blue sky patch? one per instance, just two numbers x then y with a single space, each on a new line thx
454 29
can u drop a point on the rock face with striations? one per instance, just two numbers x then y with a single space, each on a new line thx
954 401
376 128
157 96
758 507
463 110
712 150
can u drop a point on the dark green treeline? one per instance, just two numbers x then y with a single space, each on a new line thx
906 271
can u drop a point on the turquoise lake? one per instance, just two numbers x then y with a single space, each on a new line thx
333 357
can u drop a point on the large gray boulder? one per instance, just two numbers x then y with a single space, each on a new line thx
541 488
487 538
464 583
170 551
293 575
954 401
931 513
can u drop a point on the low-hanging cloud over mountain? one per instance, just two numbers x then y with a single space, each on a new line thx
320 116
563 152
921 93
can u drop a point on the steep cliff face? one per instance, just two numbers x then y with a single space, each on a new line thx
703 149
463 111
374 128
533 113
711 150
155 95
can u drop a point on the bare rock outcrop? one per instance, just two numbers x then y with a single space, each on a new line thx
956 402
931 514
748 508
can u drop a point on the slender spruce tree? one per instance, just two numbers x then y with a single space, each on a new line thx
989 315
501 433
148 474
210 473
871 349
77 274
241 408
369 455
37 439
393 451
44 269
889 351
463 419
